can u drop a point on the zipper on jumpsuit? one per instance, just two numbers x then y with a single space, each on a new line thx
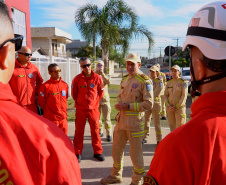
60 97
27 83
87 93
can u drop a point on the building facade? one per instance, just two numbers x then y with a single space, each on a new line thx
20 13
51 40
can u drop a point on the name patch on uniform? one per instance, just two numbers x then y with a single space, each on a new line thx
63 93
92 85
179 85
55 93
20 76
42 93
185 85
134 86
30 75
148 87
83 86
149 180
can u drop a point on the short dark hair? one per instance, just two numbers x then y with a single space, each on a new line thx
4 12
51 66
83 59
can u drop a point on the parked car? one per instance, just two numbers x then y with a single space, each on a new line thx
166 72
185 74
148 65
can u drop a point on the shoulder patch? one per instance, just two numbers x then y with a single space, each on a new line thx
149 180
145 77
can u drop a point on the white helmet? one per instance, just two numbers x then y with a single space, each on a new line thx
207 30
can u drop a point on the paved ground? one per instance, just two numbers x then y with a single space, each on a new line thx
92 170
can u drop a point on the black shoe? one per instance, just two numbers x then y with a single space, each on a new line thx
109 138
144 141
101 134
79 157
163 118
99 157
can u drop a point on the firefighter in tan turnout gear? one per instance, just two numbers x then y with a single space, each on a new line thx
105 106
162 76
155 112
175 97
136 96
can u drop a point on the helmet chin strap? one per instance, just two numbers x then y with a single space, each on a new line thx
195 84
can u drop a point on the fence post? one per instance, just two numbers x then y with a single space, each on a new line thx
69 76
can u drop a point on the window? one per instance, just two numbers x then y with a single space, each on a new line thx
19 23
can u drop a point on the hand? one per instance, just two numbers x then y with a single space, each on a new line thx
172 109
121 106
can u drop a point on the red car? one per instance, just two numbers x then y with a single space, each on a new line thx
166 72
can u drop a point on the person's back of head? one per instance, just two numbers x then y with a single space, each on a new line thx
7 45
206 37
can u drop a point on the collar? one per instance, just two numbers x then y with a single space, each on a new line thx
210 102
55 81
6 93
18 65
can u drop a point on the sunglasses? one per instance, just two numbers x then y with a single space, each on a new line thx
26 54
87 65
17 40
57 71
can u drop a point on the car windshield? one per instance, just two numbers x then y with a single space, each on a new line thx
186 73
164 70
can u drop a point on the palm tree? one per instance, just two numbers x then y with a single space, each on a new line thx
116 24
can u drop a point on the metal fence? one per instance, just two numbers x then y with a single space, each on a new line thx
69 68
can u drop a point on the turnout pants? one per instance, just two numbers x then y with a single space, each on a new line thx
155 113
80 122
163 107
176 118
106 110
120 139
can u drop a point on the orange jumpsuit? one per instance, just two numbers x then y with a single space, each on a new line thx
33 150
195 152
25 83
87 92
52 98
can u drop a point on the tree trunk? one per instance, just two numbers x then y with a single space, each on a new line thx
94 46
105 57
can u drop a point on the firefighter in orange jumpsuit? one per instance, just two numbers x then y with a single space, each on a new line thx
26 80
33 150
53 96
195 152
136 96
175 96
87 91
105 106
155 112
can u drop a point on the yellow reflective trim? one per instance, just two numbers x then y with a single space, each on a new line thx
137 114
118 165
139 170
183 115
146 131
134 106
138 106
142 123
140 79
158 133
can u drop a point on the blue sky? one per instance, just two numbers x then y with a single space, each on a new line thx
166 19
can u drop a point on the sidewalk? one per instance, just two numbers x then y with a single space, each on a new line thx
92 170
